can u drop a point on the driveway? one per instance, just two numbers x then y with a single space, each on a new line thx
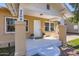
72 36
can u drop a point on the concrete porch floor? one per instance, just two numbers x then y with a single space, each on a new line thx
32 46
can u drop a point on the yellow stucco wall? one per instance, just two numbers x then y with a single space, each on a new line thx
10 36
43 21
3 36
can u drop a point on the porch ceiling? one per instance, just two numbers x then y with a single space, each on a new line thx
13 7
39 10
41 14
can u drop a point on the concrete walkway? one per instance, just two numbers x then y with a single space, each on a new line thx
33 46
72 37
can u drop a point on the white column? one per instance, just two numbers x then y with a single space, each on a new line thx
20 35
62 32
62 21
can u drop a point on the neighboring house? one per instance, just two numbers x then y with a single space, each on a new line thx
40 18
71 27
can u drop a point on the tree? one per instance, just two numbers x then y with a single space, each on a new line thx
75 18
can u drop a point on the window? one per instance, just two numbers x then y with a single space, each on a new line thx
49 27
10 25
26 24
46 26
52 26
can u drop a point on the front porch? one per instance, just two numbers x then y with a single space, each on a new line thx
40 21
21 43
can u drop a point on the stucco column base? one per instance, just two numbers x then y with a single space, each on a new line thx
20 36
62 34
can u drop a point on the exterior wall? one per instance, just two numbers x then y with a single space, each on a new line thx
4 36
8 37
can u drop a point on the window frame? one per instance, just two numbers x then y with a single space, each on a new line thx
16 19
46 26
28 25
53 27
6 24
49 27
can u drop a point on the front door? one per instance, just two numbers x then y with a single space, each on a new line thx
37 28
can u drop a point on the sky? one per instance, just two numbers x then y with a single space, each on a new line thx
2 5
69 6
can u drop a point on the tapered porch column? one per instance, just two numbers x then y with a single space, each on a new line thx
20 35
62 32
